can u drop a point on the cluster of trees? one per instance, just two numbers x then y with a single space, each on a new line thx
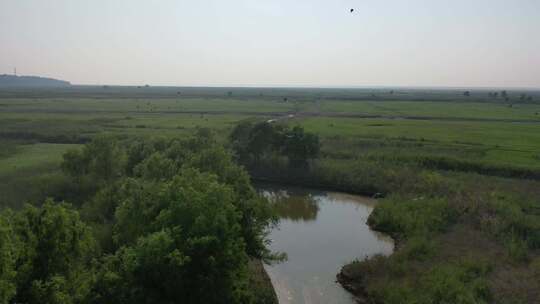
152 221
254 141
504 95
525 97
45 255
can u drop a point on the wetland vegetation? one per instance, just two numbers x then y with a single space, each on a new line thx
95 184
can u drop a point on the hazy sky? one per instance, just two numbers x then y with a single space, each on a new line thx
274 42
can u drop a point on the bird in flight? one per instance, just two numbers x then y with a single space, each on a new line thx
352 10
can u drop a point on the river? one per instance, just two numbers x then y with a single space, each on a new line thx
320 232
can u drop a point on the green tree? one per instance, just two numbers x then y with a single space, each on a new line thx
56 249
239 139
8 255
137 151
300 146
192 240
156 167
262 140
107 159
256 214
138 205
75 163
179 217
102 158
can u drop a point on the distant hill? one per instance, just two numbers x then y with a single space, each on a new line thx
30 81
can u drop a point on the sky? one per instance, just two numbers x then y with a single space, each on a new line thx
458 43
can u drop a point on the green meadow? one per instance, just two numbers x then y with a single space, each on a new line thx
358 123
33 156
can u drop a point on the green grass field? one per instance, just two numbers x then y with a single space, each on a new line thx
490 132
35 132
33 156
514 144
461 109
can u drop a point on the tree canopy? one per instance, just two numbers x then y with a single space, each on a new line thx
253 141
160 221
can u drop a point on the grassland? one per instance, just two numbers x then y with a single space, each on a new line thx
462 170
33 156
442 129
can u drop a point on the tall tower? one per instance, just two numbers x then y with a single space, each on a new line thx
15 71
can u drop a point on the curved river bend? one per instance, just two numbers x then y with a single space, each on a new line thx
320 232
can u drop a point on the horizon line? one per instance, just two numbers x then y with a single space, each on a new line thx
304 86
283 86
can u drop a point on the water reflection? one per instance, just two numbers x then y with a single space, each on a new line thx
320 232
293 207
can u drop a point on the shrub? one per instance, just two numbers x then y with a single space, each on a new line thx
464 283
535 266
517 248
418 248
407 217
518 229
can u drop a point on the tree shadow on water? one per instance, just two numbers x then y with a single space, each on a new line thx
293 206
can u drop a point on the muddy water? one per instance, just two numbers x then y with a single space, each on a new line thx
320 232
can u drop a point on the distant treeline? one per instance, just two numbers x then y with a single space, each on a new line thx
30 81
284 95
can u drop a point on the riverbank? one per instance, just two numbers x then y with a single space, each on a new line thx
347 277
316 244
460 237
355 278
353 283
350 276
260 281
463 265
